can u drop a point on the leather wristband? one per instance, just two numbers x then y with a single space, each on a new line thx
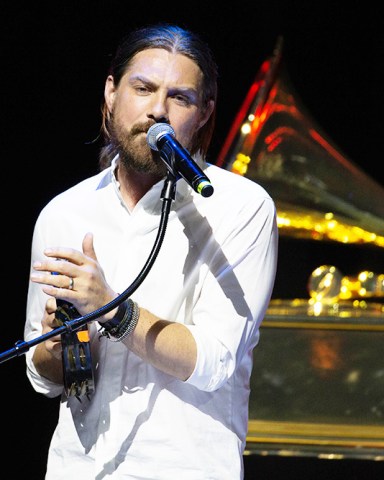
117 319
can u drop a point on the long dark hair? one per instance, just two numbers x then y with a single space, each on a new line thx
173 39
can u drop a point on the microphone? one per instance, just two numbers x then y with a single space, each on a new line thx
161 137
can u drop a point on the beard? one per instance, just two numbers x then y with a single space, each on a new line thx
134 151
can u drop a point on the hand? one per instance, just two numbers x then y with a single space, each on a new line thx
47 356
49 323
78 278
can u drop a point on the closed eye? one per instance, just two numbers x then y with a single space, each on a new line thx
182 99
142 89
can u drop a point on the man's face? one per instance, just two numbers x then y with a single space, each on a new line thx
158 86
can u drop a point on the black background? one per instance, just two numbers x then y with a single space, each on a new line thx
55 57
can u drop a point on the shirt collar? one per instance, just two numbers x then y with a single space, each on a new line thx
183 190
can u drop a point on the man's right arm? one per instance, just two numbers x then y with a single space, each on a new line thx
47 355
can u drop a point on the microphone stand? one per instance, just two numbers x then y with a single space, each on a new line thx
167 195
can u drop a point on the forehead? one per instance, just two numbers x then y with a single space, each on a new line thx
159 65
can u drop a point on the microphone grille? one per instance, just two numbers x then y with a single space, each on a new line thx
156 132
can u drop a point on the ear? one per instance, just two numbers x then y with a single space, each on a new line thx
207 113
109 93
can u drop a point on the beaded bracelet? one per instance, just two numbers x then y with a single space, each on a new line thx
128 324
123 323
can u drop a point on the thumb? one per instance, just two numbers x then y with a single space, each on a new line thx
88 249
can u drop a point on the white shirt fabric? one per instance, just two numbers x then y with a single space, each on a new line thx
214 273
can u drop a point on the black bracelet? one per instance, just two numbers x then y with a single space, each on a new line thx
123 323
112 324
128 323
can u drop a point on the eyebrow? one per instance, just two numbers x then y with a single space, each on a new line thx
191 92
139 78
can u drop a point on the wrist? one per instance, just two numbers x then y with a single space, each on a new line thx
117 317
123 323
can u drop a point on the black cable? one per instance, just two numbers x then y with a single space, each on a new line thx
167 195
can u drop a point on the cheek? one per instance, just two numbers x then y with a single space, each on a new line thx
188 132
184 125
127 108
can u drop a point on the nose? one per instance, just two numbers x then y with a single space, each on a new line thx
158 110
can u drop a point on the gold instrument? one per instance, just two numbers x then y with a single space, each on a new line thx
320 194
318 383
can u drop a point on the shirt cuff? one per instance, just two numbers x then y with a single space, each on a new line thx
40 383
214 363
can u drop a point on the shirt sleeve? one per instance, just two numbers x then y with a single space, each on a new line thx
235 295
36 301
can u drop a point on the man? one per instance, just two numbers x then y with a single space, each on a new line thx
171 364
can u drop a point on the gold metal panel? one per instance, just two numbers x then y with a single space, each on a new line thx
317 388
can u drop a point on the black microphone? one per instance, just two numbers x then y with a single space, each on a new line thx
161 137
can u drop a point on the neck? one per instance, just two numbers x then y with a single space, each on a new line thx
134 185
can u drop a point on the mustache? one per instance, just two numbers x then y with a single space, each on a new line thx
141 127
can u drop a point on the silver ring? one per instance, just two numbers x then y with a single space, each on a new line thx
71 282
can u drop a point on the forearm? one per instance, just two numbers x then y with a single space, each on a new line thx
168 346
48 365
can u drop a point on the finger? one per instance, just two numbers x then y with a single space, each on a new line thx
63 271
57 349
49 323
55 281
51 306
59 293
64 254
57 266
88 248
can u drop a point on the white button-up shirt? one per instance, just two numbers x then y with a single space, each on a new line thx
214 273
